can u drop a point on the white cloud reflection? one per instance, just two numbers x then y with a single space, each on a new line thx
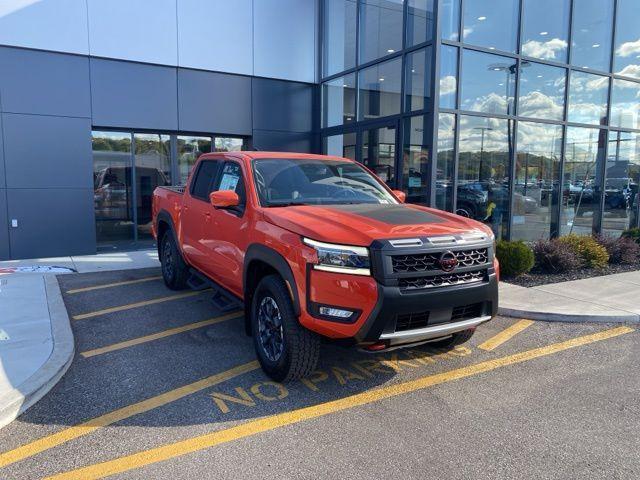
549 50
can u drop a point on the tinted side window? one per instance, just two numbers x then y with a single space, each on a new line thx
204 179
231 179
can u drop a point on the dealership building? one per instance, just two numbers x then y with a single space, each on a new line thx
522 114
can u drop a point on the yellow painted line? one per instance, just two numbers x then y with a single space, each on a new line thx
166 452
94 424
505 335
137 305
111 285
159 335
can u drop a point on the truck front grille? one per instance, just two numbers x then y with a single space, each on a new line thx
467 312
427 262
444 280
411 321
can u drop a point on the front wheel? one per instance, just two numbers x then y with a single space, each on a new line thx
286 350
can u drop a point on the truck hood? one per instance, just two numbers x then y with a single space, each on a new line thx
361 224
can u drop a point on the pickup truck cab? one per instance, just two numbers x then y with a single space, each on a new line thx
317 247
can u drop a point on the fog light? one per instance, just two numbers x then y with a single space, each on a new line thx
335 312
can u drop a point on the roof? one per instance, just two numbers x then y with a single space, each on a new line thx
288 155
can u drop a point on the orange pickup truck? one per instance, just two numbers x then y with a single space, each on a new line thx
316 247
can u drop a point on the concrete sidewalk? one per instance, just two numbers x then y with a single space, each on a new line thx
609 298
36 341
93 263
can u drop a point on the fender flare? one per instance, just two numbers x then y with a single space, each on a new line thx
275 260
164 216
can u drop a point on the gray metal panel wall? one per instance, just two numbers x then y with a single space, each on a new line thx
3 183
284 39
44 83
51 222
47 152
214 102
282 141
282 106
132 95
4 226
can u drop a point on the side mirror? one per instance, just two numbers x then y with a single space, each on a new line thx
224 199
400 195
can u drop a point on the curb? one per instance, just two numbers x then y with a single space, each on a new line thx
567 317
35 387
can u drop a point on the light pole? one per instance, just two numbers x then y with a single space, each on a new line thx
483 129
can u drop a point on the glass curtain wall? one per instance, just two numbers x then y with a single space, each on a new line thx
536 114
377 87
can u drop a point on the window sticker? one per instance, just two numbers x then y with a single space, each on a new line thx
229 182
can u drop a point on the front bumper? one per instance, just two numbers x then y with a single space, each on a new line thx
408 298
442 306
436 331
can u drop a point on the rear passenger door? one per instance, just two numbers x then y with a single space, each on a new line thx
196 213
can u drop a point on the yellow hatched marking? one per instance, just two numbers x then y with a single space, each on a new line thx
130 306
94 424
158 335
505 335
173 450
111 285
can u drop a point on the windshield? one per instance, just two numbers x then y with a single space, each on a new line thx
282 182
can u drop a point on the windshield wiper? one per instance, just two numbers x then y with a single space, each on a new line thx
288 204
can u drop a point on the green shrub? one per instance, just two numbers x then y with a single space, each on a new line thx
633 234
592 254
516 258
621 250
554 256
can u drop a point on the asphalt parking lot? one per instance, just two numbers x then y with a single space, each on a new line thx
165 386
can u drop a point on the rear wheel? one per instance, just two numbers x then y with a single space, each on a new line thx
175 271
465 210
286 350
456 339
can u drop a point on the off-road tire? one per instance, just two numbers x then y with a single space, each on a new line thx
301 347
456 339
175 272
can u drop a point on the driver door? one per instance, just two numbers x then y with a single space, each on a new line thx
226 232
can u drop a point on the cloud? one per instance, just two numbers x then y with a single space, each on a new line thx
586 112
491 103
548 49
539 139
583 82
448 85
630 71
540 105
597 83
628 48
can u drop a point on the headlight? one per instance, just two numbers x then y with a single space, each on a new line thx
340 258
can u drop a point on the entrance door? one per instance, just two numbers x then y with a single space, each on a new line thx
378 151
113 187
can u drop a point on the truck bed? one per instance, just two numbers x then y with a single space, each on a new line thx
174 188
169 199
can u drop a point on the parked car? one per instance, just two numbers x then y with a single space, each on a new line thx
317 247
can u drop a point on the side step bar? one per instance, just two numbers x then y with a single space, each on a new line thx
222 299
